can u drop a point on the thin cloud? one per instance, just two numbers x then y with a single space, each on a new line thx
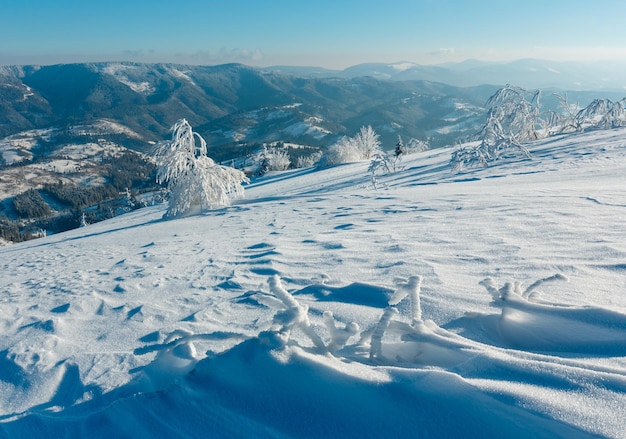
224 55
444 51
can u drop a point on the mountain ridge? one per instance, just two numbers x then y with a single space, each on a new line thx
149 98
528 72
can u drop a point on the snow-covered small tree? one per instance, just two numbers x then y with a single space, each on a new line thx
279 159
362 146
416 145
195 182
615 115
569 118
367 142
271 159
599 114
342 151
518 111
382 163
309 160
400 148
83 220
511 120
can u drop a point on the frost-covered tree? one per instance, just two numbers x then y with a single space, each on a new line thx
382 163
513 118
416 145
568 120
309 160
400 148
362 146
367 142
599 114
614 116
271 159
83 220
342 151
195 182
518 112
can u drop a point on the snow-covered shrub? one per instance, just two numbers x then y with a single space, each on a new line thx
409 287
363 146
614 116
307 161
279 160
514 117
270 159
367 142
195 181
568 120
511 120
416 145
294 315
382 163
386 163
343 151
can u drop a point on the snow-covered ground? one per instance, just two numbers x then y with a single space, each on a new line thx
320 306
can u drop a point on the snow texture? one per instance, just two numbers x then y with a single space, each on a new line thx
486 303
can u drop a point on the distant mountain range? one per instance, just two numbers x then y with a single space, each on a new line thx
529 73
231 105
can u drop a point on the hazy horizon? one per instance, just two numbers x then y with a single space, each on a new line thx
328 34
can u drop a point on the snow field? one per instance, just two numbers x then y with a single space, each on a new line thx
319 306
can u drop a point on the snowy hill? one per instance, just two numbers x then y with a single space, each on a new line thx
483 304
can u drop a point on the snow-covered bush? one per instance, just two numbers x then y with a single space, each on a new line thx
195 182
382 163
343 151
513 118
279 160
271 159
568 120
376 346
610 114
363 146
295 315
367 142
307 161
416 145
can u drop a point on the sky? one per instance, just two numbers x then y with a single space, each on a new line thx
327 33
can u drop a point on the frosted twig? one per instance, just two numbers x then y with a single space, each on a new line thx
295 314
411 288
377 337
491 288
338 336
529 290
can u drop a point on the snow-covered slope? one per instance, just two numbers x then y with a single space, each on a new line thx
321 306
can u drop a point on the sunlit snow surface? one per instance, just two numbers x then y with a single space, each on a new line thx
264 319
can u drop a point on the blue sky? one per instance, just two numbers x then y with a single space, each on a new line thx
326 33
